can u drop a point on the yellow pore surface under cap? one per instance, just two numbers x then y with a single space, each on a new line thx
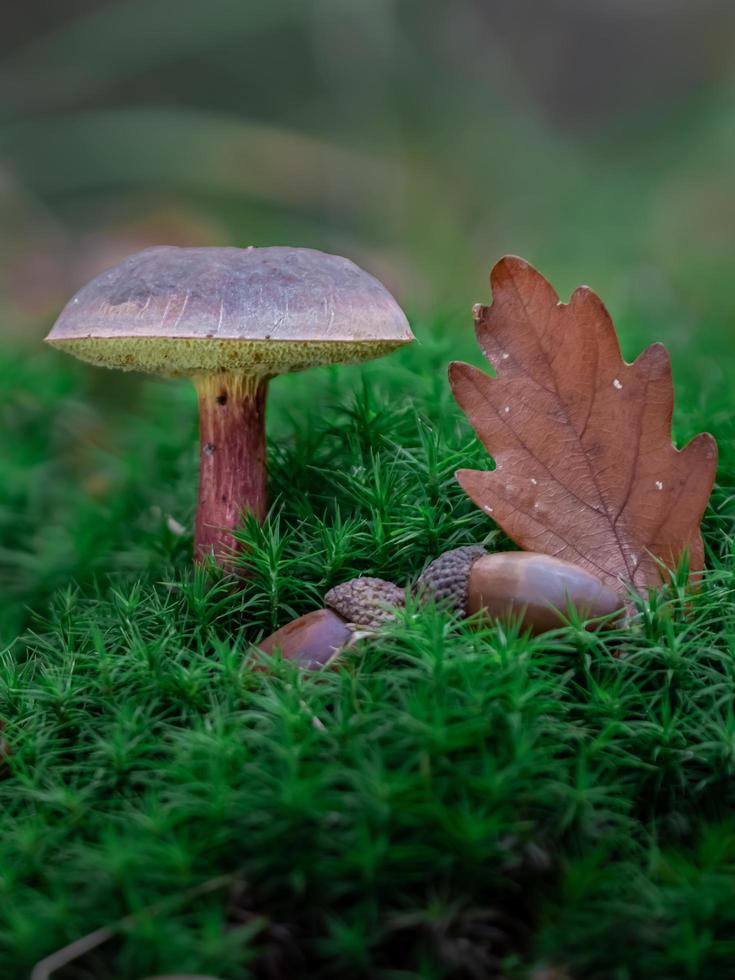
184 357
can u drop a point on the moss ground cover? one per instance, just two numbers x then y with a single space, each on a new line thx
450 803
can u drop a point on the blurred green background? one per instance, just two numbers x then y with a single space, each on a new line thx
422 138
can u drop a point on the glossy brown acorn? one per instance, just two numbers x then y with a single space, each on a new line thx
311 641
356 608
537 588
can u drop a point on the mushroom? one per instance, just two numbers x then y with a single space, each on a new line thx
230 319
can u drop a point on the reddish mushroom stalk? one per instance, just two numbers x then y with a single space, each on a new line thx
232 458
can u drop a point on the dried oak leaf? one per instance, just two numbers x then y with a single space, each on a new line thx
585 466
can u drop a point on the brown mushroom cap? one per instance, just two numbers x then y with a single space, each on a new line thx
262 311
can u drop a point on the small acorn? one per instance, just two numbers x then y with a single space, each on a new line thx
355 608
311 641
536 587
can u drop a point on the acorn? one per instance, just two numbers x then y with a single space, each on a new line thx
311 641
355 609
536 588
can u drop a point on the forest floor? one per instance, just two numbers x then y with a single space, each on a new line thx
450 802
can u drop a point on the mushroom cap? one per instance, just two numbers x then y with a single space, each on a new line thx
264 311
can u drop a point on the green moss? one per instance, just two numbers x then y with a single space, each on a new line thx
449 801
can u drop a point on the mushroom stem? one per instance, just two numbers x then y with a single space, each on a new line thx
232 474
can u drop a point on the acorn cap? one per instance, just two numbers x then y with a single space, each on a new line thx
365 601
259 311
447 577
